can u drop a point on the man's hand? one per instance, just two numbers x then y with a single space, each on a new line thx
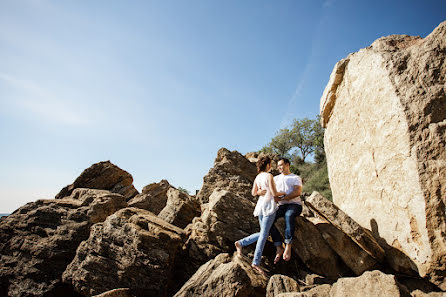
261 192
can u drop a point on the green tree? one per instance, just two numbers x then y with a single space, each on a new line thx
183 190
303 136
281 144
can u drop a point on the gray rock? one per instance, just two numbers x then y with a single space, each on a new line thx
278 284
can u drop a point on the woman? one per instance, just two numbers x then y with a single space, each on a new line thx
265 209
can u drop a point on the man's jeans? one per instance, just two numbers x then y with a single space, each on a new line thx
265 225
290 212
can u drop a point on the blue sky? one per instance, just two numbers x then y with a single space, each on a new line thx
157 87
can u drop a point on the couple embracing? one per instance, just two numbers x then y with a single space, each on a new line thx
279 196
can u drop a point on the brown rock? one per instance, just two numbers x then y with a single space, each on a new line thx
103 176
371 283
318 291
39 240
352 255
384 109
314 251
131 249
361 236
232 172
225 219
153 197
281 284
225 276
180 208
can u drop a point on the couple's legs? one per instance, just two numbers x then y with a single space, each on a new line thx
265 225
290 212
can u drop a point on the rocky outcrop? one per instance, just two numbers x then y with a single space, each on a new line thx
278 284
309 245
371 283
225 276
231 171
180 208
39 240
169 203
103 176
362 237
225 219
384 110
153 197
131 249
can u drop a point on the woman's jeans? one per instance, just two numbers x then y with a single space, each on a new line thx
290 212
265 225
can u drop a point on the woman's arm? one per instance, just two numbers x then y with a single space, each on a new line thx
272 185
254 188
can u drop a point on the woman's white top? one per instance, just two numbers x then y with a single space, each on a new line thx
266 205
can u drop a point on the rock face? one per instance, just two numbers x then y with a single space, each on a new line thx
371 283
39 240
180 208
153 197
225 276
384 110
278 284
225 219
170 204
103 176
319 291
362 237
131 249
231 171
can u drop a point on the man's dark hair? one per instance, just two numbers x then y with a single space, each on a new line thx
285 160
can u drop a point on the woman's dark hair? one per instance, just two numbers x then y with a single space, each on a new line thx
285 160
262 163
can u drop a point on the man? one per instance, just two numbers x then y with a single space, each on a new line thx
290 206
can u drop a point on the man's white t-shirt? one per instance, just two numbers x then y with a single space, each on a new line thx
286 183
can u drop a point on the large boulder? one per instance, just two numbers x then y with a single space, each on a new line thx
278 284
371 284
231 171
365 242
103 176
318 291
180 208
153 197
39 240
225 219
384 110
132 248
225 276
309 245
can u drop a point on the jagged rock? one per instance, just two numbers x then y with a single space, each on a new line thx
253 157
232 172
225 219
384 109
131 249
39 240
346 224
352 255
180 208
371 284
281 284
225 276
314 251
103 176
318 291
169 203
153 197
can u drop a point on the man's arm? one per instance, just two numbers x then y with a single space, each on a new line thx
297 190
